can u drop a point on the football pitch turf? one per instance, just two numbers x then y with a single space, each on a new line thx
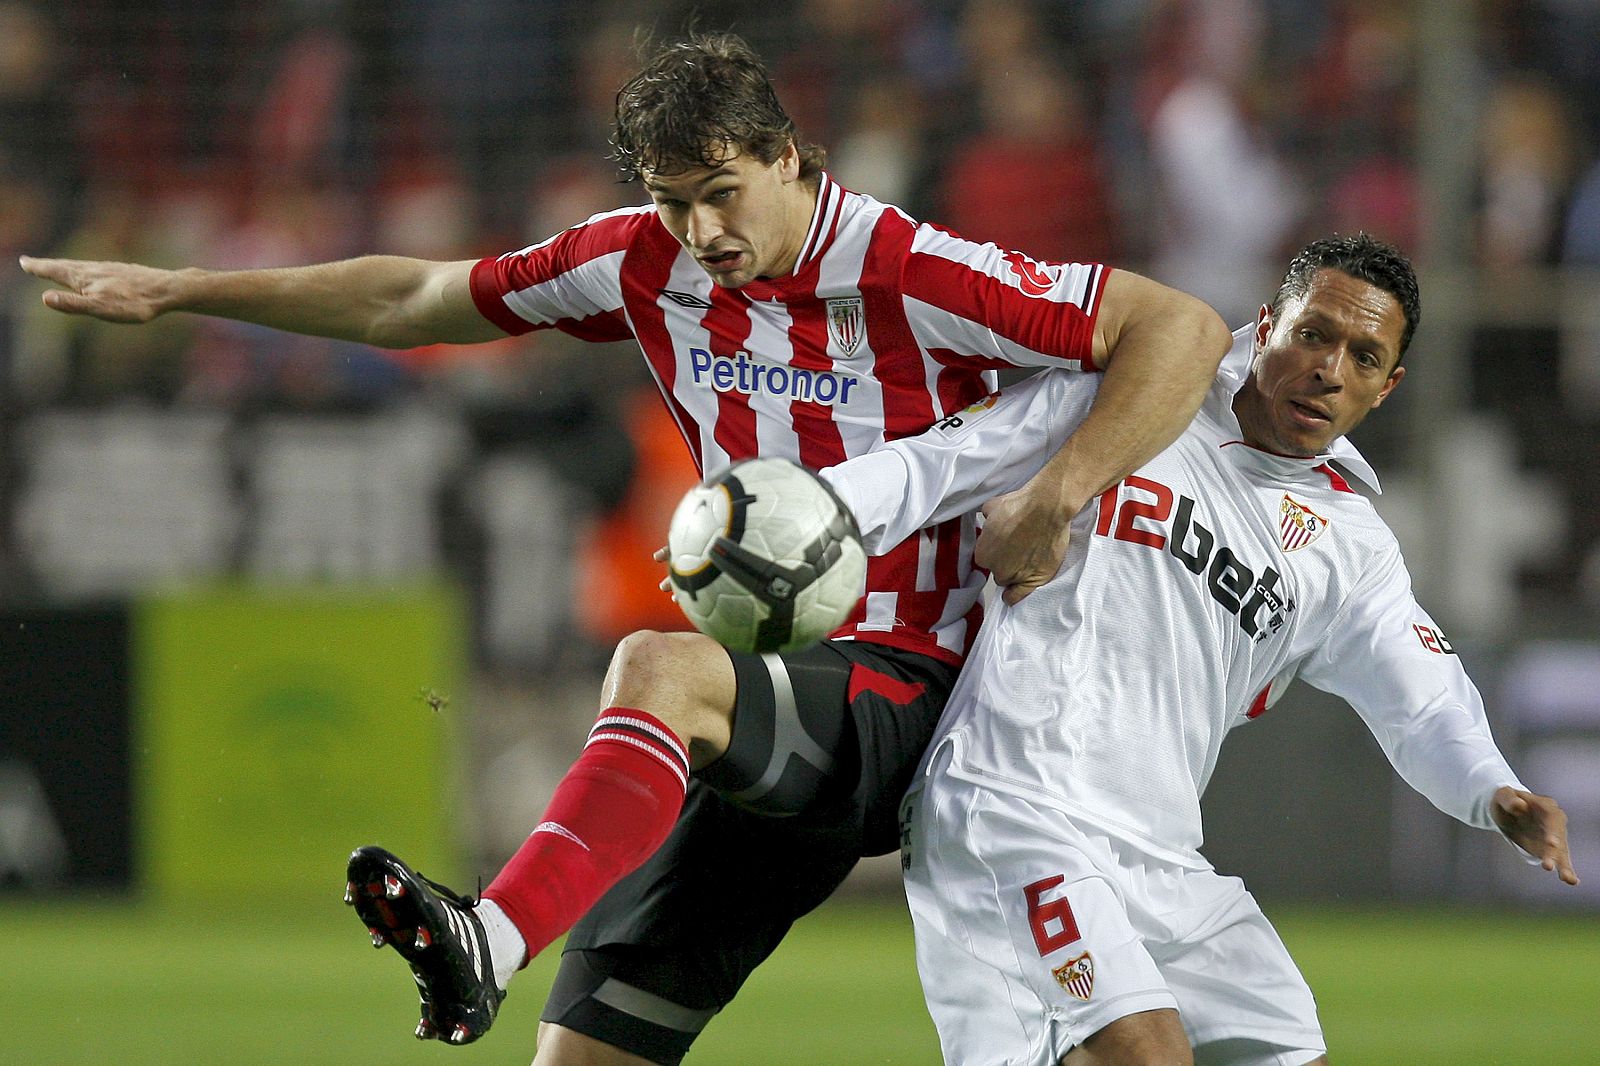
106 983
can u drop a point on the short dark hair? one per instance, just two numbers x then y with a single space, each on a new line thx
693 101
1366 258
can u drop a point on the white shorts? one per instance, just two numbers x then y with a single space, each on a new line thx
1034 931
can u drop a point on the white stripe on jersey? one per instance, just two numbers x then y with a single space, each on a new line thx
935 322
769 335
839 274
588 289
688 276
1073 283
927 556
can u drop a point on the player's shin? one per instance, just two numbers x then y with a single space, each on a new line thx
612 809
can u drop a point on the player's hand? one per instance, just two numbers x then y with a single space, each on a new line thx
115 292
661 556
1023 541
1537 825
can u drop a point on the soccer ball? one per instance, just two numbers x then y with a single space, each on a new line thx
764 557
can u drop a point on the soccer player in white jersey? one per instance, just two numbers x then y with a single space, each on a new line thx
781 315
1063 911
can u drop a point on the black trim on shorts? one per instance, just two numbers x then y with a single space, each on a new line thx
809 789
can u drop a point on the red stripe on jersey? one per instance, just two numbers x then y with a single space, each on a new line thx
962 361
485 285
1259 706
1058 329
728 323
1338 482
866 679
897 362
959 390
602 328
947 555
494 277
645 271
821 443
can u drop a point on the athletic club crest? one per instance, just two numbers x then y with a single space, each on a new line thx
847 324
1077 976
1298 524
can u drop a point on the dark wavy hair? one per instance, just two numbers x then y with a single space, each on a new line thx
1366 258
698 102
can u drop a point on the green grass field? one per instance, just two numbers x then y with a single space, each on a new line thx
130 985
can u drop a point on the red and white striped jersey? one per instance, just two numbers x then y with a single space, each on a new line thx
884 327
1192 591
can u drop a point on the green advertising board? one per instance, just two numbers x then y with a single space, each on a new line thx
275 730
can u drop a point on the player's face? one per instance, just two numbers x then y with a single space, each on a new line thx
1324 361
742 220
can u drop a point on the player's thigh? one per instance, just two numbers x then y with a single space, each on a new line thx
1243 999
831 733
1024 944
669 946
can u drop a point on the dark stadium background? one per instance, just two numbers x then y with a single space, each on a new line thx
264 598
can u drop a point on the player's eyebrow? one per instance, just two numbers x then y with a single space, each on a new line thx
655 185
1360 337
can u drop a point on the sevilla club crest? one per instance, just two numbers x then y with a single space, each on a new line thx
1077 976
1298 524
846 324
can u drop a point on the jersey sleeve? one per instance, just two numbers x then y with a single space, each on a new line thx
981 304
963 460
1389 660
572 282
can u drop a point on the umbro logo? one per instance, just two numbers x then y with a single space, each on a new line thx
685 299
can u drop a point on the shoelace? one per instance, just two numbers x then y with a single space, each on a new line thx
450 894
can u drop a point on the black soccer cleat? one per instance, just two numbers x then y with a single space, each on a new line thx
437 934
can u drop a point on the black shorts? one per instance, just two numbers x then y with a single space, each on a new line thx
825 743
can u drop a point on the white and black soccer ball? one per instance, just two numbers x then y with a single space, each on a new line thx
764 557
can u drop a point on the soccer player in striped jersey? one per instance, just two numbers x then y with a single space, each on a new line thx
721 796
1063 910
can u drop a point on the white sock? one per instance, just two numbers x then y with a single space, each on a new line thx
507 949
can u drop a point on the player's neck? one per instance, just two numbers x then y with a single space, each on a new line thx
799 209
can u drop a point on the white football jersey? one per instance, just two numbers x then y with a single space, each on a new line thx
1192 591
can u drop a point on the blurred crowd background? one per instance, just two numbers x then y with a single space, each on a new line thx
1198 141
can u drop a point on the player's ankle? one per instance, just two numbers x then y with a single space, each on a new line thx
508 951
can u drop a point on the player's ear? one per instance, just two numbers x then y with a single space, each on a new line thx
789 163
1263 326
1388 386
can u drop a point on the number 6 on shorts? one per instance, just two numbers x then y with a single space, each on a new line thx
1042 912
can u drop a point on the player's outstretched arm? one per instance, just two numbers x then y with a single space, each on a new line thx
387 301
1538 826
1160 348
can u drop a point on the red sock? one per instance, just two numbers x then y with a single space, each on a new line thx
610 812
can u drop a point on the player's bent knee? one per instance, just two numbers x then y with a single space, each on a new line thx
1149 1038
684 679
